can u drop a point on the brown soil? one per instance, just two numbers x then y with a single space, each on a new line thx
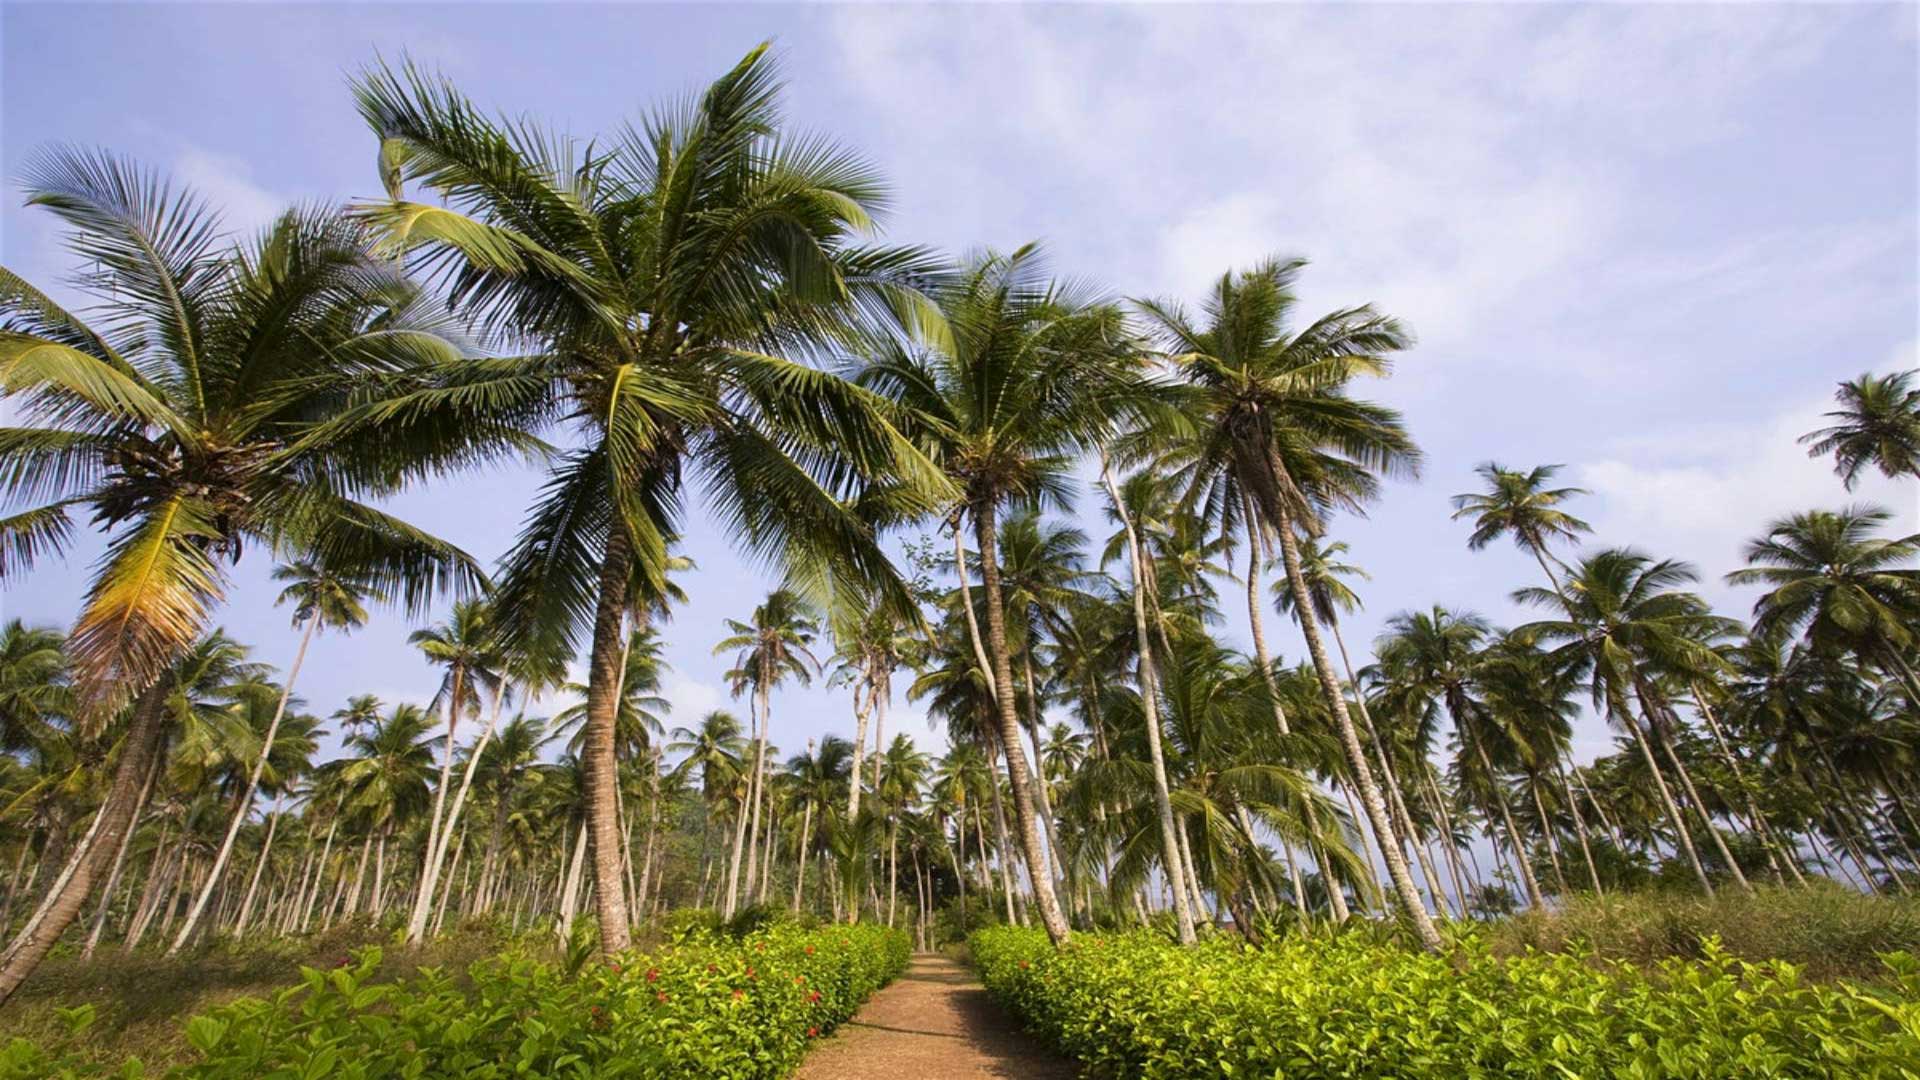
934 1023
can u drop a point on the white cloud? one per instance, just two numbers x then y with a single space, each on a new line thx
1704 491
691 699
227 184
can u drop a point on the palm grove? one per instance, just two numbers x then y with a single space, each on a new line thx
695 315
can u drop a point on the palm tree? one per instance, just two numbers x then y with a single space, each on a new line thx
1023 374
1520 505
387 775
318 597
817 777
771 646
503 763
1623 621
1847 590
1277 442
1434 656
870 643
662 280
34 692
903 774
361 710
190 417
714 750
468 647
1877 423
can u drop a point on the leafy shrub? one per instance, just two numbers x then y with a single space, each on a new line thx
1136 1005
722 1008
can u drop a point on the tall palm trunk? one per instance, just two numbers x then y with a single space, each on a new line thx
599 770
1149 700
143 745
1546 830
1056 866
113 875
1019 776
241 920
1666 798
1579 826
863 698
430 871
245 808
570 885
1356 758
806 837
1001 846
1699 804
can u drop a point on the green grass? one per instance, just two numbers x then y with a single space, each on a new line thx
1828 931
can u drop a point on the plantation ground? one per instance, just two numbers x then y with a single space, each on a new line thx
935 1023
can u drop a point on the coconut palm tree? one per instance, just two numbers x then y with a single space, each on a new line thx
1877 423
1435 656
903 775
1278 442
388 773
663 282
714 751
1845 589
1521 505
813 795
1623 619
503 763
468 647
319 597
187 412
770 647
34 688
1023 374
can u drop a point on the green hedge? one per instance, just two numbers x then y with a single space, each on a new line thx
714 1006
1136 1005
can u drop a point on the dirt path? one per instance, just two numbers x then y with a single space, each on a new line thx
934 1023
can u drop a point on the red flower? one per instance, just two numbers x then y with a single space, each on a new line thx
738 994
809 950
661 997
751 975
615 968
813 997
799 980
813 1033
653 974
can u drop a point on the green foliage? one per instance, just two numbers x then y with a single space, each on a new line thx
739 1008
1136 1005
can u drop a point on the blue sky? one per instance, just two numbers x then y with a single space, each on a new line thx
1644 241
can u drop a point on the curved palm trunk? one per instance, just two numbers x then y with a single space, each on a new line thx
1407 833
1149 700
1256 626
1699 804
1056 865
1002 845
800 862
1336 701
143 746
437 855
1020 777
253 887
1761 827
598 768
113 876
1546 830
1666 800
1579 826
241 812
882 681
